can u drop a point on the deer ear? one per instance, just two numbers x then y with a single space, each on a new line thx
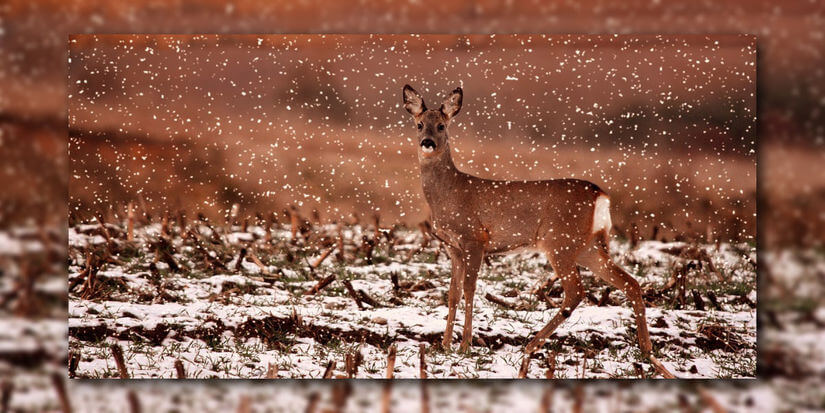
413 101
452 104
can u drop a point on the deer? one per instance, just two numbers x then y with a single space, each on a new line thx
566 219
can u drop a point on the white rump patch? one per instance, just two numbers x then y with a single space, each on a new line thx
601 214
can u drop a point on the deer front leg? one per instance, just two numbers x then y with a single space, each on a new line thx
473 257
454 294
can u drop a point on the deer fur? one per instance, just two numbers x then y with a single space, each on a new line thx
567 219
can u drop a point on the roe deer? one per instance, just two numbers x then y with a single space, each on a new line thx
567 219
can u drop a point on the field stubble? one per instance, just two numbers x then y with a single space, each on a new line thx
292 297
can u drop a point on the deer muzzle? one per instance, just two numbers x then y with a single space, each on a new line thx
427 145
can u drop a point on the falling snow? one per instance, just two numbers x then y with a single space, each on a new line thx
310 132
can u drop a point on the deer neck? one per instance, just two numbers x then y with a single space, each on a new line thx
438 176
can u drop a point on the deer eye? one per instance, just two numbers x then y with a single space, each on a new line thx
420 125
440 126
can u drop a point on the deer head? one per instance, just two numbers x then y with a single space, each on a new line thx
432 124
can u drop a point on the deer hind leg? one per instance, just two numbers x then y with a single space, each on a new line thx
573 294
454 295
597 259
473 257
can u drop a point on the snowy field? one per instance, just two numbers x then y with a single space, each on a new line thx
171 298
35 350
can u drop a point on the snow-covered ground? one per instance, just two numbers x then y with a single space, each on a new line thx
792 353
237 321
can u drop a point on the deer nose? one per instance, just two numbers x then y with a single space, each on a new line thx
428 143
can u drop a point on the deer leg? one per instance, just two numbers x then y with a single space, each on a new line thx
573 294
454 295
598 260
633 292
472 264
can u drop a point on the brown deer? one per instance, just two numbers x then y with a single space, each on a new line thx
567 219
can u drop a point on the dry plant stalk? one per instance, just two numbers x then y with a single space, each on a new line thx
525 366
639 370
163 251
179 369
605 296
134 403
164 225
181 217
682 284
551 365
352 361
62 396
713 301
130 223
376 221
341 390
145 217
578 398
386 398
422 368
422 360
296 318
293 220
661 368
258 262
396 286
340 244
5 395
500 301
412 253
320 285
268 232
367 299
330 368
634 235
244 405
272 371
90 283
354 294
110 243
84 275
324 255
387 395
368 246
241 256
391 361
349 365
117 353
546 405
74 360
697 300
26 301
312 403
233 214
710 401
103 229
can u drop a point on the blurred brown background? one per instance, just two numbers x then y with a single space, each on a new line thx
790 105
664 123
791 125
